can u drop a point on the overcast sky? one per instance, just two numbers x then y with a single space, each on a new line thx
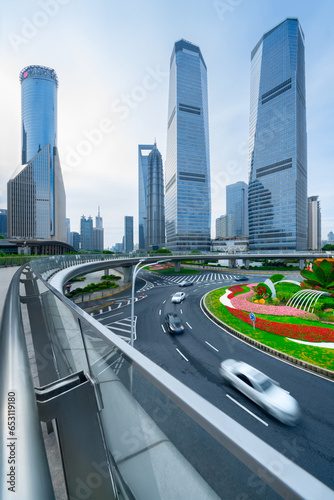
112 61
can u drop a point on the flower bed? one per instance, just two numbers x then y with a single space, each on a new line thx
241 302
300 332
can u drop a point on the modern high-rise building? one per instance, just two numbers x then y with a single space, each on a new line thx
155 201
187 172
225 226
68 230
36 195
3 222
75 240
143 152
98 233
314 224
128 234
330 236
86 233
277 190
237 205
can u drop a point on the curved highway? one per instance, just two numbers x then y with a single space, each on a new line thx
194 359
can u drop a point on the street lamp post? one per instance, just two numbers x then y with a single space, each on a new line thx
135 272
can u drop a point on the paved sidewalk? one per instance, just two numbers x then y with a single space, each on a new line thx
6 274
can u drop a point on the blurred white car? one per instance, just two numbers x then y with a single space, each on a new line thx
178 297
261 389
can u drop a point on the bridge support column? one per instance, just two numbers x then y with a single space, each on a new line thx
106 272
246 263
127 272
177 266
231 263
301 263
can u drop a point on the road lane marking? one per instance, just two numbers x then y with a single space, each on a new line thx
162 326
246 409
181 311
189 325
212 346
183 356
164 301
160 312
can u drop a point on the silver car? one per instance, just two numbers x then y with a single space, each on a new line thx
261 389
178 297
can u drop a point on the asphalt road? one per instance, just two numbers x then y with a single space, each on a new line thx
194 358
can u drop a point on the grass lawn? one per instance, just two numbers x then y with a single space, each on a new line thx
316 355
171 270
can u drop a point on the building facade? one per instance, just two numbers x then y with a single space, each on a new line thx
237 205
155 201
3 222
68 230
86 233
314 224
128 234
98 233
225 226
277 190
187 189
75 240
35 194
143 152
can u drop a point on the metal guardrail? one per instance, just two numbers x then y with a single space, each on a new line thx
283 476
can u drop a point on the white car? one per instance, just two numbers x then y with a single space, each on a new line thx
178 297
261 389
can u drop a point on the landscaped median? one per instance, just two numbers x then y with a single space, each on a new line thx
283 331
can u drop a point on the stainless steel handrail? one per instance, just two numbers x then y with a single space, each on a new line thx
24 469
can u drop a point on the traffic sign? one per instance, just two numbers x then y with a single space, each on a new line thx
252 317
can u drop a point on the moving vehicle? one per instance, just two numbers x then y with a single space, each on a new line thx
241 278
186 283
261 389
173 323
178 297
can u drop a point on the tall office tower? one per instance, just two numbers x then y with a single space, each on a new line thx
277 190
128 234
68 230
75 240
225 226
143 152
36 194
3 222
98 233
86 233
237 205
330 236
155 201
314 223
188 194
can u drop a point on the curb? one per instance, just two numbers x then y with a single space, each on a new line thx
263 347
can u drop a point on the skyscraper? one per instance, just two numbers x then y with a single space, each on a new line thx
225 226
237 205
3 222
36 195
314 224
143 152
188 195
128 234
86 233
277 191
98 233
155 201
68 230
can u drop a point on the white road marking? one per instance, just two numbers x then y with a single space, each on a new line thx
181 311
183 356
248 411
189 325
164 301
212 346
162 326
160 312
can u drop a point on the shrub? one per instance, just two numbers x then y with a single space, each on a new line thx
275 301
276 277
263 290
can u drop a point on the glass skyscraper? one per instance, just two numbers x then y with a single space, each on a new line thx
86 233
155 201
277 191
36 195
143 152
187 189
237 205
128 234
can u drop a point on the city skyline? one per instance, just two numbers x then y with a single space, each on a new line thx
130 106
